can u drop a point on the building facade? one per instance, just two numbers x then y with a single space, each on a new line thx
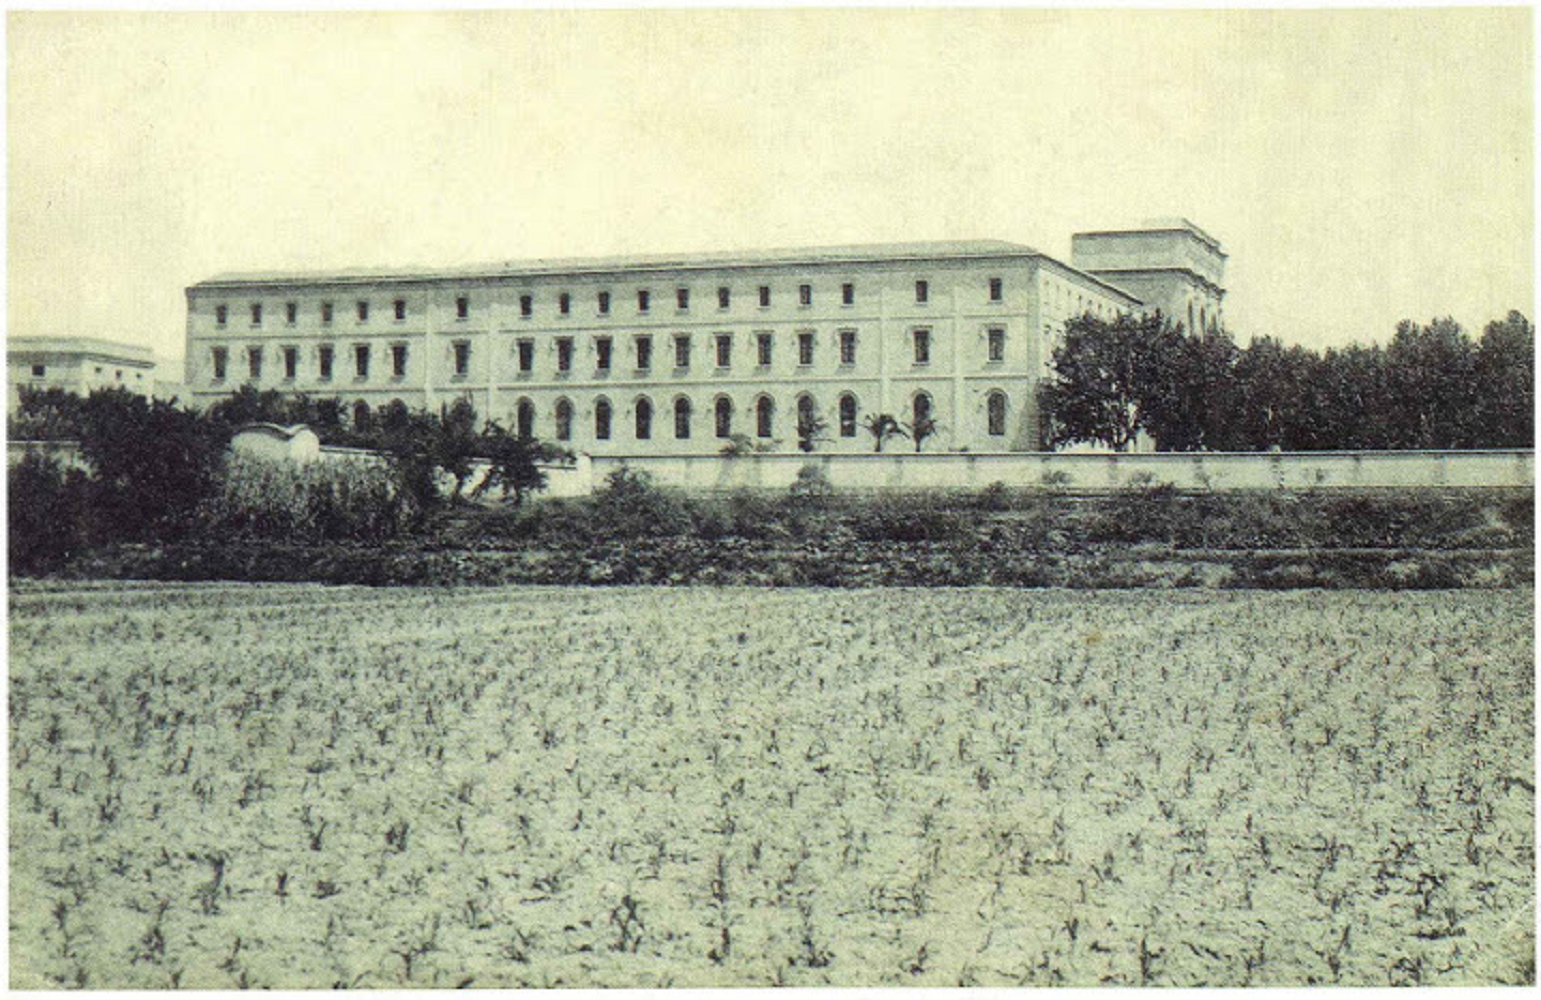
1172 265
657 354
77 364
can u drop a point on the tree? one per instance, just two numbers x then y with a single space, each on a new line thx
1430 371
919 430
812 429
1269 396
1107 379
883 427
1505 378
514 463
46 415
1189 402
152 462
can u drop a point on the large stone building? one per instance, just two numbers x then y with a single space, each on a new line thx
77 364
678 354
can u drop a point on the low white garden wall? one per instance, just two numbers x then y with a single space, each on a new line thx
1093 472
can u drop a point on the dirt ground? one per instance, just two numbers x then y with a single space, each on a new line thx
297 786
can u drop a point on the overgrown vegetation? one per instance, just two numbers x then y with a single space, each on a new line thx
1431 387
631 532
154 472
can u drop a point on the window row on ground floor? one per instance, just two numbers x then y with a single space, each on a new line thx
682 418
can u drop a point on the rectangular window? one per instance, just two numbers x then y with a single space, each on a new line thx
326 312
462 307
995 289
363 311
847 347
254 362
39 371
724 350
997 344
526 305
361 360
922 347
324 362
604 303
564 354
526 356
221 313
805 349
644 352
401 308
848 294
682 350
602 353
564 303
922 292
764 296
399 360
643 300
805 295
219 358
682 298
762 344
256 314
462 358
291 312
291 363
724 297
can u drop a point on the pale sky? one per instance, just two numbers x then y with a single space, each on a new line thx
1359 167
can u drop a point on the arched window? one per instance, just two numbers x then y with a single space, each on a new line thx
764 417
995 413
524 419
682 418
644 419
602 420
361 416
922 409
847 416
564 420
724 417
1191 327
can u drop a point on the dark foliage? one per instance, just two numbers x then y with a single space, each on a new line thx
1431 387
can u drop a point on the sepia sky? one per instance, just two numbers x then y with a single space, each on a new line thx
1359 167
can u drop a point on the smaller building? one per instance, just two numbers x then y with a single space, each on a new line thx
79 365
270 442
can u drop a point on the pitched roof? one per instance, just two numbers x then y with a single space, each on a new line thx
864 253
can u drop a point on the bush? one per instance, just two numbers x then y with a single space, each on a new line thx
1140 512
900 518
318 501
629 506
50 514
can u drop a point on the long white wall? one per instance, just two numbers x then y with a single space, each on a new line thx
1204 471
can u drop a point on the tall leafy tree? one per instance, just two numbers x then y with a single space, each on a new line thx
1270 396
1430 372
1505 377
1110 380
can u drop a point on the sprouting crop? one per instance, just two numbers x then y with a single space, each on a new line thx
232 786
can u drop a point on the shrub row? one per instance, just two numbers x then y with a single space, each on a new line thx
683 561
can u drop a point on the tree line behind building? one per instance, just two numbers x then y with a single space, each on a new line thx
1119 380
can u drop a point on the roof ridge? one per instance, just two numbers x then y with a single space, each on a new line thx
835 253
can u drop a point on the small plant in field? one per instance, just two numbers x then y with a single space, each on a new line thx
628 925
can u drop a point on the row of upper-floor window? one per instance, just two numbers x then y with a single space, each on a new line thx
564 302
809 422
604 353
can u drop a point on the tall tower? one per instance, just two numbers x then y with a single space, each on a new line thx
1169 264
